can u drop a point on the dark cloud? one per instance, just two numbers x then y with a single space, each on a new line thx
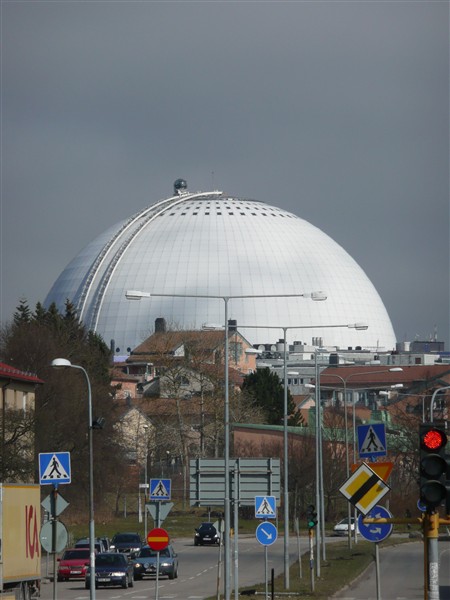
336 111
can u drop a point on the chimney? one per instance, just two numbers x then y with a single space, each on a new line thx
232 325
160 325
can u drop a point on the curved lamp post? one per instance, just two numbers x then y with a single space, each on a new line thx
63 363
433 398
138 295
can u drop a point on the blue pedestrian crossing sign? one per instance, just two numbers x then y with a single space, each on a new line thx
265 507
54 468
372 440
160 489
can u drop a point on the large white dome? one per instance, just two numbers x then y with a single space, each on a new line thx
213 244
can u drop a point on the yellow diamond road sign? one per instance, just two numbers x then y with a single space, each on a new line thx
364 489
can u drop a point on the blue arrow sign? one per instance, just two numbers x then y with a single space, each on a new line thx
54 468
266 533
375 532
160 489
372 440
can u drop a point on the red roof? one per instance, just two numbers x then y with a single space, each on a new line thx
363 375
7 372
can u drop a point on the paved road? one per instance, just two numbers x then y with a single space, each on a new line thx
198 574
401 575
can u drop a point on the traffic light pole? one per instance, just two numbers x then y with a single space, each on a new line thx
311 557
430 529
431 567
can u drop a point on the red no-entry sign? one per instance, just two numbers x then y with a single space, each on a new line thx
158 538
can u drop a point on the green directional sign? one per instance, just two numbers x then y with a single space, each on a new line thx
248 477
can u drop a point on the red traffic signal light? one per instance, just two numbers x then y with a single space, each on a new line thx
433 465
433 440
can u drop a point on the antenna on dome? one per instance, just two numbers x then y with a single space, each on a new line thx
180 187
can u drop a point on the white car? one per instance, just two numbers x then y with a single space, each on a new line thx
341 528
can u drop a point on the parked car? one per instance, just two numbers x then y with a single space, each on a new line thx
341 528
126 542
73 564
144 563
206 534
111 568
98 544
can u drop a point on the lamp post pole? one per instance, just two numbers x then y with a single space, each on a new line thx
285 465
64 363
319 466
146 483
347 459
284 328
137 295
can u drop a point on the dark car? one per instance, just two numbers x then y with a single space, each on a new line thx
144 563
206 534
98 544
126 542
111 568
73 564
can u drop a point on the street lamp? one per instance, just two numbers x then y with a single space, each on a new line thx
138 295
63 363
284 328
433 398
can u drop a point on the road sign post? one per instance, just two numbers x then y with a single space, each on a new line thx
54 468
265 507
266 534
372 440
157 539
160 489
364 488
159 511
375 532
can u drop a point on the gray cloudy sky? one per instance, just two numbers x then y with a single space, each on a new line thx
337 111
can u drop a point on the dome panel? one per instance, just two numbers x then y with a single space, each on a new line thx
210 244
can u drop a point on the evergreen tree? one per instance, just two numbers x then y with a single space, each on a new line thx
60 421
23 313
266 389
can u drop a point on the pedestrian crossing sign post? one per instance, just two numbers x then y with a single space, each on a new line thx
54 468
265 507
160 489
372 440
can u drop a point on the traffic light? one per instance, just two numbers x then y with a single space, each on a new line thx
311 516
433 465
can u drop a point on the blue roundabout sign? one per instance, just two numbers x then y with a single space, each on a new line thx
375 532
